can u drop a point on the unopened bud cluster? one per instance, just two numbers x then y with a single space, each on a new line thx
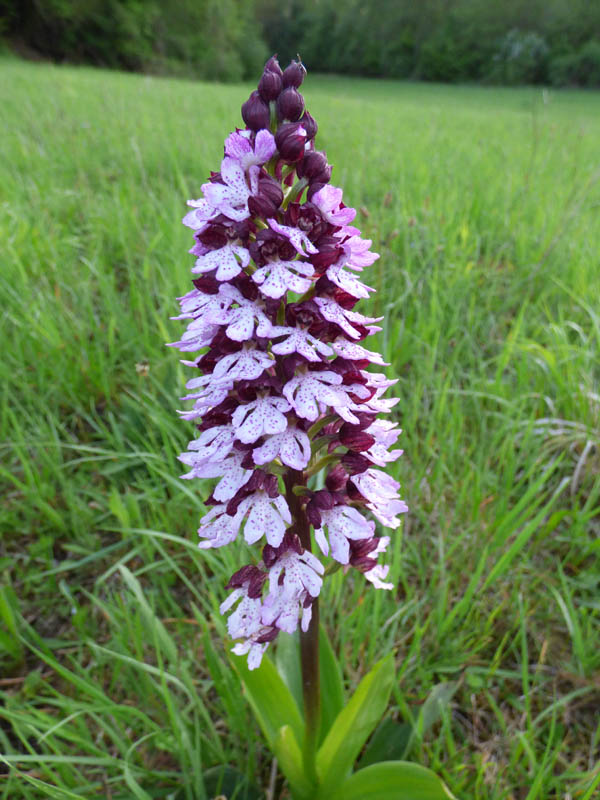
282 393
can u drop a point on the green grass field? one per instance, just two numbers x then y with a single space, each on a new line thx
485 207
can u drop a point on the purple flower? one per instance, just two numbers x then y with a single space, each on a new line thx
298 340
267 516
240 148
278 277
281 384
245 623
293 579
342 317
329 201
202 213
291 446
262 416
297 237
307 392
244 316
346 281
342 523
381 492
228 261
231 197
246 364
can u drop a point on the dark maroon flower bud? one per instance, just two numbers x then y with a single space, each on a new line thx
337 479
215 237
250 575
270 485
313 514
346 300
290 105
248 461
356 463
313 188
268 198
255 112
293 74
354 494
324 500
289 365
238 230
220 415
272 65
314 166
268 635
309 124
354 438
246 286
207 284
290 140
329 252
359 553
350 370
320 501
290 541
270 85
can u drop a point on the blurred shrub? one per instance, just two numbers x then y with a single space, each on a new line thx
216 39
581 68
522 57
516 41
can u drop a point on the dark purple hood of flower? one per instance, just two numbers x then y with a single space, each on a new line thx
281 389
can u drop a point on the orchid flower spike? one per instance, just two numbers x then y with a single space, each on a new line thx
281 389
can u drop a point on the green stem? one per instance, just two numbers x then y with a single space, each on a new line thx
309 641
309 661
294 192
319 425
322 462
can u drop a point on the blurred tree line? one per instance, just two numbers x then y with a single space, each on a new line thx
513 41
213 39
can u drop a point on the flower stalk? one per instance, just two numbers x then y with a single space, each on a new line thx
286 410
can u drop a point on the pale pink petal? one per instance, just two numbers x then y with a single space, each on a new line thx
296 236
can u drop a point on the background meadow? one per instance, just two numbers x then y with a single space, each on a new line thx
484 204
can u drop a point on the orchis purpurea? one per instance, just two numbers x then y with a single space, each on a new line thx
282 389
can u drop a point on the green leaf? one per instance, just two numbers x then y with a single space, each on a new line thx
155 626
390 742
233 784
290 760
352 726
393 780
432 709
332 687
271 700
9 641
287 661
